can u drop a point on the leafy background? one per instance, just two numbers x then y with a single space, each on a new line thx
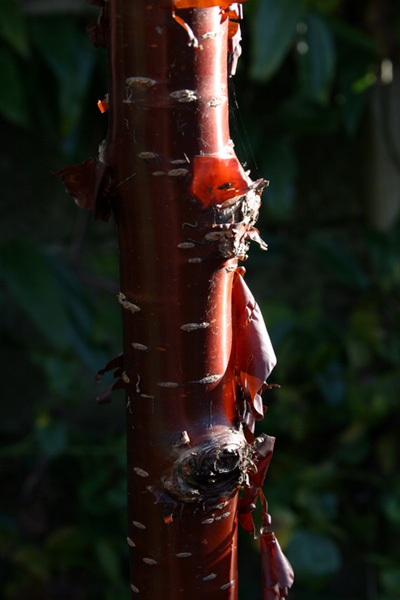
317 117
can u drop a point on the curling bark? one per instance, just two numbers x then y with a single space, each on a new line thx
196 353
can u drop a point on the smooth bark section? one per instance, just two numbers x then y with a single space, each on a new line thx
168 104
196 350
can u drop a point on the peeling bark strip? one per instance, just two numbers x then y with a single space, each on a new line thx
194 341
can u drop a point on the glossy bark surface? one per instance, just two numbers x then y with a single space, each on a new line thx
196 353
156 130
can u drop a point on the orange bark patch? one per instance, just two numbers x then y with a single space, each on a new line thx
193 41
216 180
203 3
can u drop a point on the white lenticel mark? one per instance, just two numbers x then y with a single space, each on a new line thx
194 326
138 346
134 588
186 245
222 505
122 299
208 379
168 384
209 577
226 586
139 525
150 561
215 102
217 235
140 472
178 172
211 35
147 155
183 554
140 82
184 95
131 543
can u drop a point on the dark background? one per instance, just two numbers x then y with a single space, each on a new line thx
318 91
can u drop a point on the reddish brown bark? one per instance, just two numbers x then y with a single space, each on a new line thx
184 210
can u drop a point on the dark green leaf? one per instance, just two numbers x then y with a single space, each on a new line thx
78 309
352 103
13 104
108 560
48 292
317 60
78 303
300 115
340 263
31 282
353 36
51 435
66 50
357 54
391 503
280 167
313 554
326 6
31 559
274 28
390 578
332 383
61 373
12 26
66 546
94 486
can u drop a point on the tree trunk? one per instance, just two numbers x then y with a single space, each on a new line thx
196 352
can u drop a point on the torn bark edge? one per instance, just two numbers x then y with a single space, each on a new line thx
232 12
89 183
277 572
193 41
253 355
116 365
231 204
264 446
230 181
98 30
168 504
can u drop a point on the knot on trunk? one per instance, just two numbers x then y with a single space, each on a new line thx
212 470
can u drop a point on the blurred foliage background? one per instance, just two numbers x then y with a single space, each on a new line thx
314 110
